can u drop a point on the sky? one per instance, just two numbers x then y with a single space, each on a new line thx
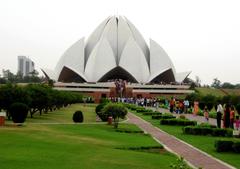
202 36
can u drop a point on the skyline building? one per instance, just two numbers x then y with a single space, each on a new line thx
25 65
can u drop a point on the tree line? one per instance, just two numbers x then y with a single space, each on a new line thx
9 77
39 98
210 100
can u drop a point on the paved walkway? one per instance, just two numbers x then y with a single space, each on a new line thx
192 155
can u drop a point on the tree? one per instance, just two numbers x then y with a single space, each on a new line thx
227 85
115 110
216 83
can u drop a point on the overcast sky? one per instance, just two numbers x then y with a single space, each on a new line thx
202 36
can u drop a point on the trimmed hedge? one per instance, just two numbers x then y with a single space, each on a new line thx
223 145
151 113
143 110
178 122
129 131
203 130
78 117
227 146
141 148
163 117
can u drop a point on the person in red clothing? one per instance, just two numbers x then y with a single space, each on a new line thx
172 104
232 117
226 117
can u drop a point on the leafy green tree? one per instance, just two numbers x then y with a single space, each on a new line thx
10 94
216 83
116 111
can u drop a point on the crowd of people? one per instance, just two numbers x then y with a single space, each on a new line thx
227 114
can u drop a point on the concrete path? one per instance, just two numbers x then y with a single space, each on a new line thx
192 155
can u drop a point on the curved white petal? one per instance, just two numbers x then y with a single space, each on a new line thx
72 58
110 33
50 74
134 61
100 61
140 40
180 77
94 38
159 60
124 33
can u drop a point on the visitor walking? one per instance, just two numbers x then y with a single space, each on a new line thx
172 103
232 117
219 114
206 114
186 105
226 117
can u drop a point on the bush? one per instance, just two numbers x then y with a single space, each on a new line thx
116 111
219 132
142 110
151 113
223 145
238 108
207 130
207 125
163 117
98 110
182 117
236 147
178 122
19 112
197 130
78 117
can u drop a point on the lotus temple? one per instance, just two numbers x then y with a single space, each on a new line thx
116 53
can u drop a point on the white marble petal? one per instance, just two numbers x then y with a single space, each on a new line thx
140 40
134 61
94 38
100 61
159 60
180 77
72 58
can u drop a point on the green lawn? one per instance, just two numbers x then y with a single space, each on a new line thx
64 115
204 143
205 91
61 146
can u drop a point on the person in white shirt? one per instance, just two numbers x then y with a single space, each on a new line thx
186 105
219 114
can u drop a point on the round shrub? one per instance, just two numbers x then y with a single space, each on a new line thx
78 117
223 145
98 110
236 147
18 112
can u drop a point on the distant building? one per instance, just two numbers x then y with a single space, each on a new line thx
25 65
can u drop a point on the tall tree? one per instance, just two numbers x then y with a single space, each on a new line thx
216 83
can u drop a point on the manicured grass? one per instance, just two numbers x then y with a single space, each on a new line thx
64 115
61 146
204 143
76 146
205 91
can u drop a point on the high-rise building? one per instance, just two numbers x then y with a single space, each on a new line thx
25 65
